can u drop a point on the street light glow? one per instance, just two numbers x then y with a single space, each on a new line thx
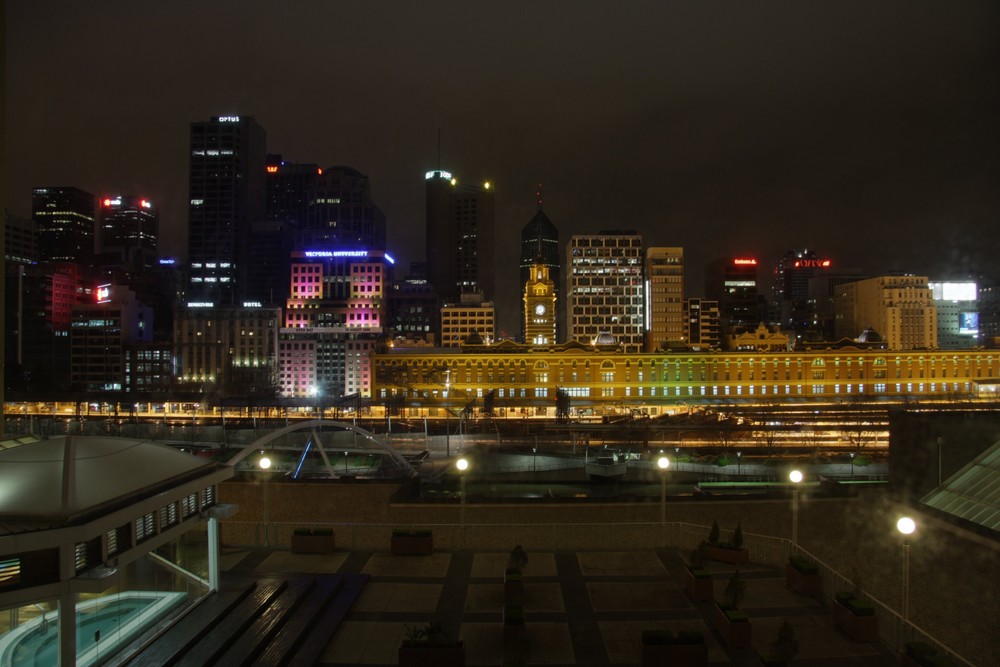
264 463
462 464
663 462
795 476
906 525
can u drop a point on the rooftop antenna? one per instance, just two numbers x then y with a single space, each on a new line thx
538 195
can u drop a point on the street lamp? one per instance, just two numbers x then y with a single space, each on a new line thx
906 526
345 463
739 458
795 477
462 464
447 413
663 463
852 465
264 463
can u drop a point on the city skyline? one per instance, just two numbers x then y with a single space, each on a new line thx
727 130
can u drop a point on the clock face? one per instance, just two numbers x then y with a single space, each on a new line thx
540 309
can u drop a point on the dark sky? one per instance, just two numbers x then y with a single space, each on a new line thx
866 130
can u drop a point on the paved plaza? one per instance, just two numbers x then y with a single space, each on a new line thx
581 608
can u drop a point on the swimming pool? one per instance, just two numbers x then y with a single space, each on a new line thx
103 626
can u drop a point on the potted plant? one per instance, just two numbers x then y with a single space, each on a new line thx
732 622
802 576
412 542
660 647
784 647
726 552
855 616
313 541
697 580
430 646
513 581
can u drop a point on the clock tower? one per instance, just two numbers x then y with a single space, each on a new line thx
539 307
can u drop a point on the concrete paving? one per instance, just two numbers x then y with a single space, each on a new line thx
581 608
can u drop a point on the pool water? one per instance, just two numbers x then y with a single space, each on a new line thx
103 626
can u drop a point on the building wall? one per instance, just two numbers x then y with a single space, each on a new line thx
664 297
604 288
900 308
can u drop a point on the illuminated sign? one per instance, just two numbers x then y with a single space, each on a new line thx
389 258
168 262
252 304
742 262
812 264
272 169
145 203
229 119
103 293
319 171
200 304
108 201
957 291
336 253
438 174
968 323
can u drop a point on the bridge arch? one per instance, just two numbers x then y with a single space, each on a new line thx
262 442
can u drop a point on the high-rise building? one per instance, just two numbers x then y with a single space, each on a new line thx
664 298
102 335
65 219
701 324
473 320
790 290
732 283
957 305
227 197
604 288
540 244
460 237
20 239
414 308
900 308
129 227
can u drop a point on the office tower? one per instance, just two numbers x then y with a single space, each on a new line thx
540 244
341 212
900 308
539 311
823 289
732 282
664 298
102 334
227 197
604 288
414 308
333 319
957 304
460 237
792 273
129 228
701 324
989 311
65 219
20 239
472 320
47 294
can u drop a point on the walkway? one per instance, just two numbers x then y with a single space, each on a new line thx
581 608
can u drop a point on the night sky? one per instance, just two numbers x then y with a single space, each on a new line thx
869 131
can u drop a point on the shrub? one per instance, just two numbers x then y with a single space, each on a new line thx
713 534
735 591
737 540
518 558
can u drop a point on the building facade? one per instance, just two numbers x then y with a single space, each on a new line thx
702 328
461 237
539 306
957 304
540 244
129 228
900 308
474 318
732 283
102 334
227 195
664 298
65 217
605 288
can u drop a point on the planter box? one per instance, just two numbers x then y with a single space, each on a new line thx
726 555
419 654
674 653
809 585
736 634
699 589
313 544
858 628
412 544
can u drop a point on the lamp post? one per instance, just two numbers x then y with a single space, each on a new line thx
677 457
852 465
264 463
345 463
795 477
462 464
663 463
447 414
906 526
739 459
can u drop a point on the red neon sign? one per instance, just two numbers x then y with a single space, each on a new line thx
751 262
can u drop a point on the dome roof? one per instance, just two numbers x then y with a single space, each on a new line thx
37 481
605 338
869 335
